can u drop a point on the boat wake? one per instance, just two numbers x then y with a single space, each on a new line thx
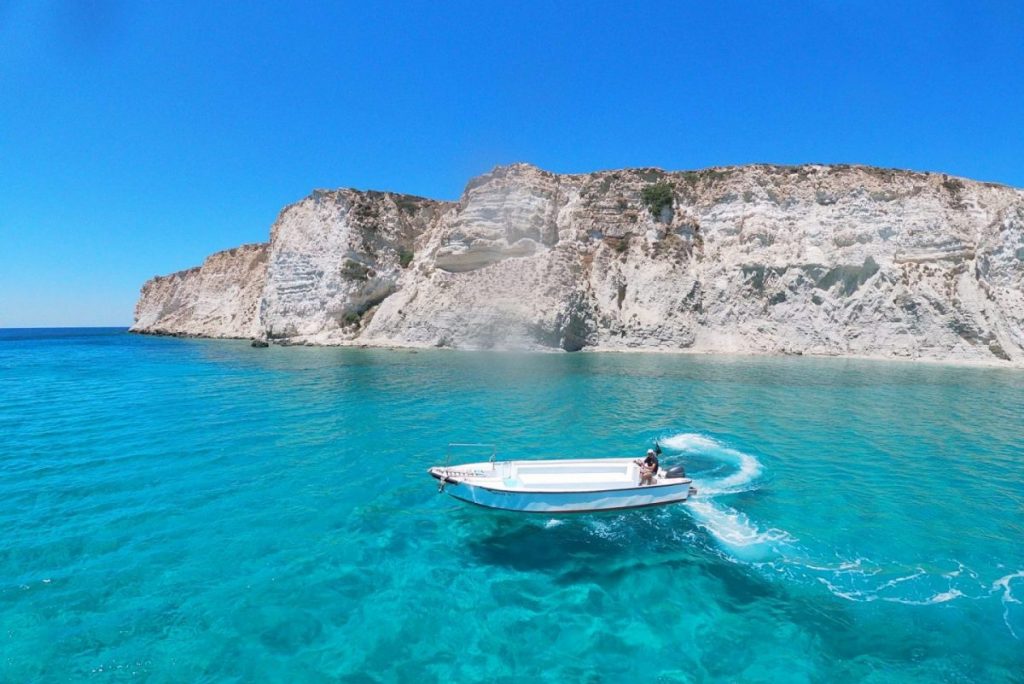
748 468
732 472
721 470
1013 607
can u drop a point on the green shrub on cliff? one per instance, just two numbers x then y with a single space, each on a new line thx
657 196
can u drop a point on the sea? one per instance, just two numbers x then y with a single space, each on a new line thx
185 510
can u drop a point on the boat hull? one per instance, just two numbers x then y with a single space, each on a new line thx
570 502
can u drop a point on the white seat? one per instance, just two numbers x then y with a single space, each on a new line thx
556 478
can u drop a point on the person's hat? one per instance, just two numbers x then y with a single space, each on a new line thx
650 452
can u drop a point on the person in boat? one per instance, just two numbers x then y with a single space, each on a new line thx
648 468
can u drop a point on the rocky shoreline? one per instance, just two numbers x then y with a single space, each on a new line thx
804 260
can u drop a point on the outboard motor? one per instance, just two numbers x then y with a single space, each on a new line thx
675 471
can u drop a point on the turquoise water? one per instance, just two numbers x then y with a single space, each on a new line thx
197 510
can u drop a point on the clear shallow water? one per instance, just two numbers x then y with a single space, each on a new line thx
194 510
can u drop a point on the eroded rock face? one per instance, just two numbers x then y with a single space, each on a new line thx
811 259
334 256
505 214
221 298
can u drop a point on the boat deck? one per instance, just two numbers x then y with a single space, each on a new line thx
576 475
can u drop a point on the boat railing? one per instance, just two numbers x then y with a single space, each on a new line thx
469 445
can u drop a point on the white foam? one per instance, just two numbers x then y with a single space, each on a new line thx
603 529
899 580
747 470
1007 598
859 580
941 597
946 596
731 529
865 591
689 441
734 531
844 567
848 595
1004 582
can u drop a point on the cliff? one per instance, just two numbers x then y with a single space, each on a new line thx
834 260
221 298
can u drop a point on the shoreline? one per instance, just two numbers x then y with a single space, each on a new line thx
959 363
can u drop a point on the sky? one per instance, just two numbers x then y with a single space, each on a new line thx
136 138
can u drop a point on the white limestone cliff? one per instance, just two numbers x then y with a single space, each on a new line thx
221 298
813 259
336 255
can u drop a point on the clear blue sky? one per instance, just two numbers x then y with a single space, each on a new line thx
138 137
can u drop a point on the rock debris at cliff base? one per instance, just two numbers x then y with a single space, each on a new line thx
813 259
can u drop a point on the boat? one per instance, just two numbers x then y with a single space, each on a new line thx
584 485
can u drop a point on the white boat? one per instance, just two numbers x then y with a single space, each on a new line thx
561 486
